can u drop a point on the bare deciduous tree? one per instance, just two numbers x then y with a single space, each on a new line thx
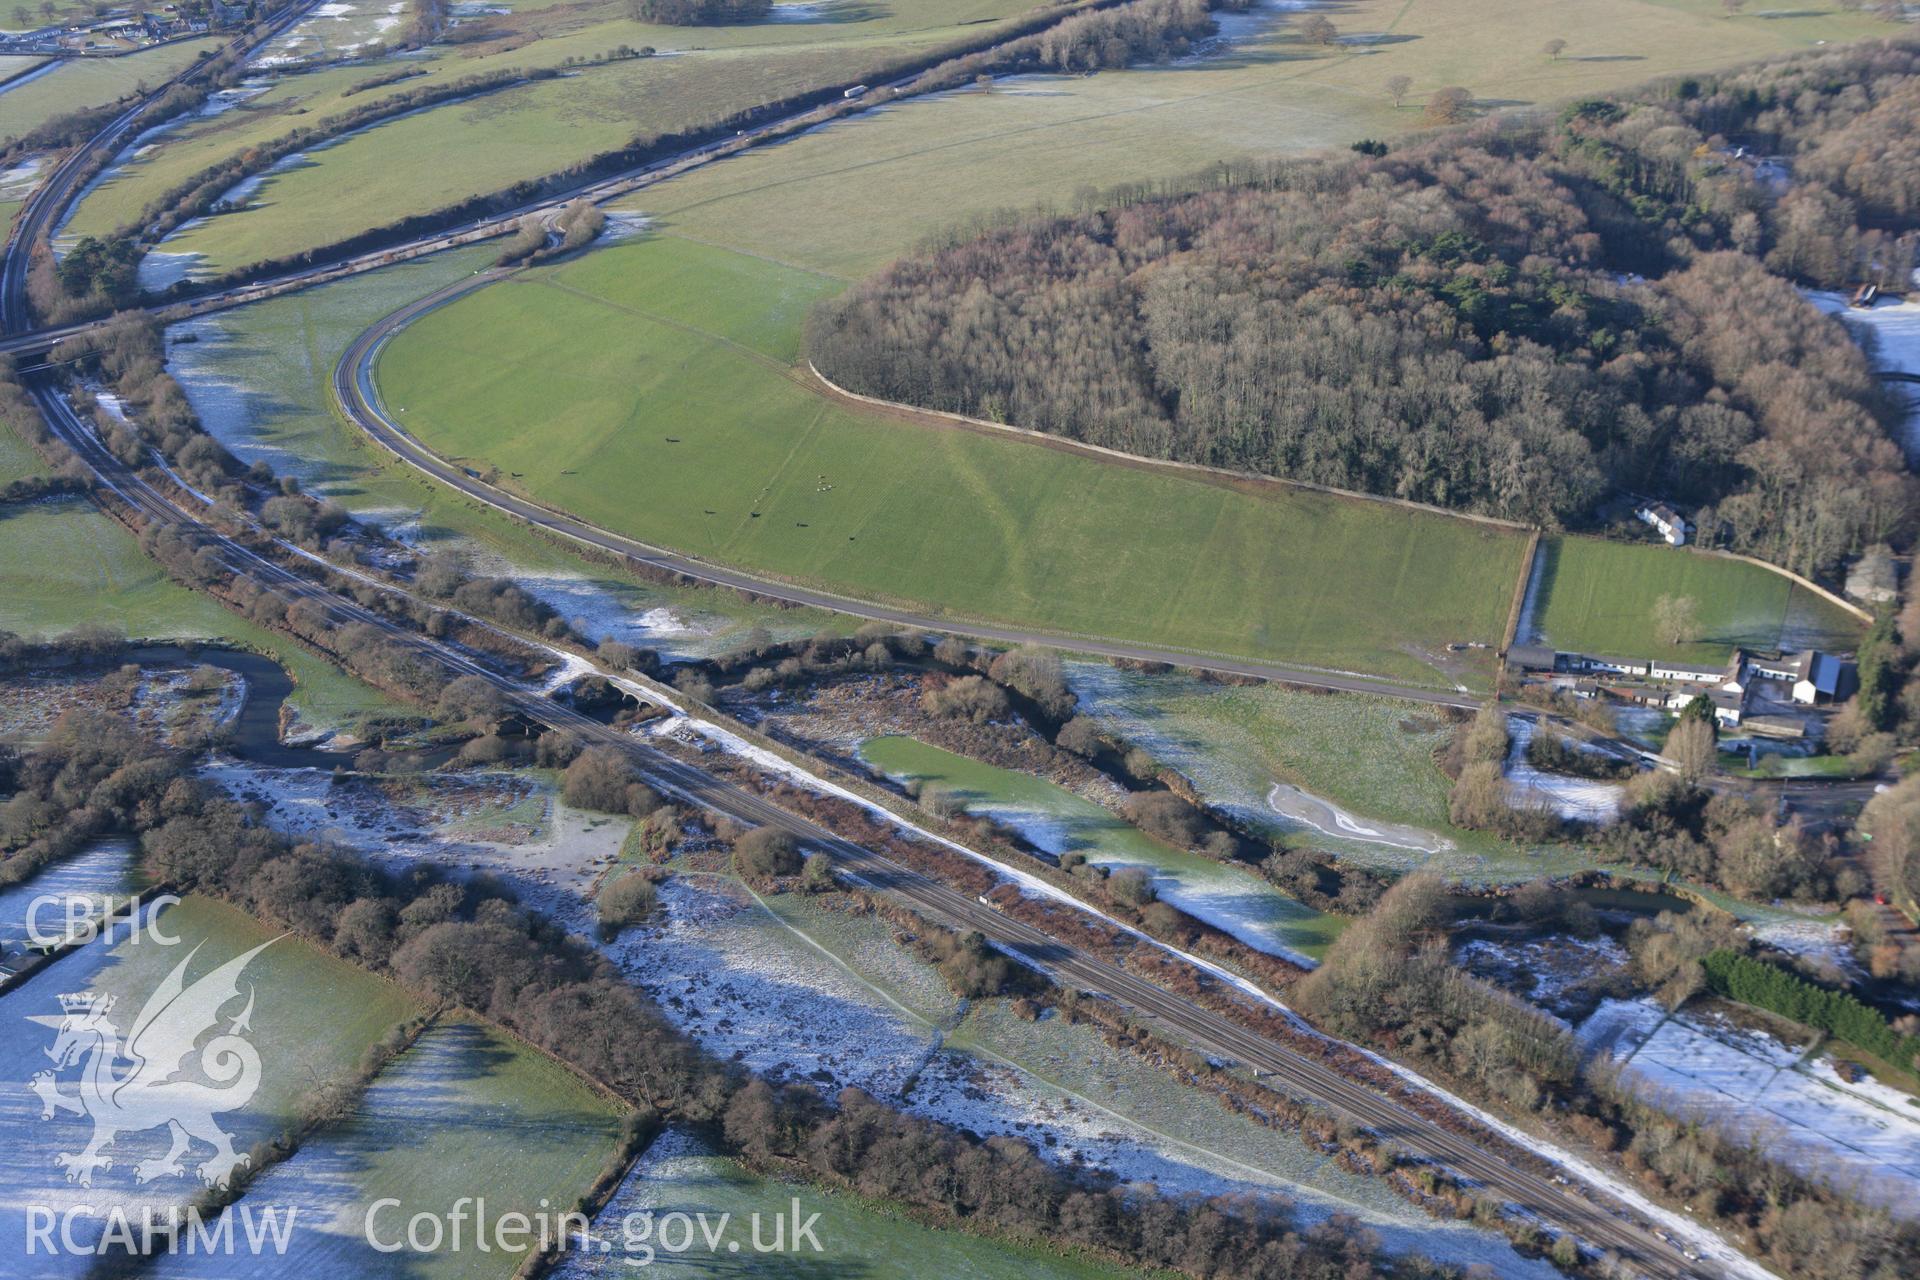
1692 748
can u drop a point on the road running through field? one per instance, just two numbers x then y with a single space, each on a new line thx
359 398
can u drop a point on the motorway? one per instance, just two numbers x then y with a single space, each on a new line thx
359 398
62 185
1591 1214
42 210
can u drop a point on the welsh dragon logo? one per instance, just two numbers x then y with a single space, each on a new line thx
142 1083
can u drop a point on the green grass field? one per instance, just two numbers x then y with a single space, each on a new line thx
434 159
464 1112
1059 821
1598 597
852 196
646 388
259 375
314 1015
66 564
81 83
17 461
423 162
1038 139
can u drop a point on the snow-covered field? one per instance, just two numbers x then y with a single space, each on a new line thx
1568 796
333 30
1556 973
29 1177
1863 1135
18 181
1827 941
461 1113
1894 328
749 987
104 871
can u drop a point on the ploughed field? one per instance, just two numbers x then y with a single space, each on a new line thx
650 388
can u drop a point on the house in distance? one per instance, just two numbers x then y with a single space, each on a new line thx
1670 524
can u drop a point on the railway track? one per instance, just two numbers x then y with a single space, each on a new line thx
48 201
1590 1214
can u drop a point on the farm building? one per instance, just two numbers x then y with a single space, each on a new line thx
1728 708
1532 657
1812 677
1670 524
1612 666
1684 671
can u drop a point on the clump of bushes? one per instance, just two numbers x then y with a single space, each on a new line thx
627 899
765 853
604 780
970 698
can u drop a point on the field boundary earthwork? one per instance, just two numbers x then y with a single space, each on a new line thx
834 389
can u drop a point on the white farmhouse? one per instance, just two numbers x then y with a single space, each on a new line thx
1672 526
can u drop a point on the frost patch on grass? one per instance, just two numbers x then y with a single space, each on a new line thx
1823 940
624 225
1225 740
18 181
1568 796
1330 819
1527 630
1891 330
1238 28
1863 1136
332 29
760 999
102 872
161 269
1556 973
1056 821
